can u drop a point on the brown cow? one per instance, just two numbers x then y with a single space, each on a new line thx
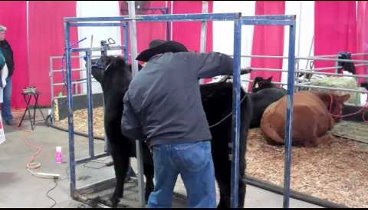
311 117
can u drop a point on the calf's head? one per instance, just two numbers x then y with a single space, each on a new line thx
260 83
346 65
334 103
111 72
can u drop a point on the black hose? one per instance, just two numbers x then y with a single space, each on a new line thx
293 194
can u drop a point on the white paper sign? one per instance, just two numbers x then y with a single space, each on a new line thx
2 134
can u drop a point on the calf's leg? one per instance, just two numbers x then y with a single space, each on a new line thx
121 164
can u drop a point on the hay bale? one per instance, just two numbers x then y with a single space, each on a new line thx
339 82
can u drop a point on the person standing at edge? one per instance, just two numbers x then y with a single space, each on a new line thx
8 54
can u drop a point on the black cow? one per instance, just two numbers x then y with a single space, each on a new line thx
264 93
115 75
345 65
259 83
364 85
261 100
217 104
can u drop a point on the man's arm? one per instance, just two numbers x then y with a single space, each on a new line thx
130 125
214 64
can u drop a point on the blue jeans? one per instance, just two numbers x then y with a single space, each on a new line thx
6 106
193 161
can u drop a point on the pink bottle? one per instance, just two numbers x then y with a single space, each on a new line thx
58 155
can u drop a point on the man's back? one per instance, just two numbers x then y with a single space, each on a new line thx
167 93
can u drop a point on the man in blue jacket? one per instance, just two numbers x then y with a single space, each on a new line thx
163 107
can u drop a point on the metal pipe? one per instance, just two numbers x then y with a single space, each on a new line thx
171 23
96 24
203 28
269 17
51 75
168 27
126 42
331 88
289 116
156 18
97 48
70 112
312 72
333 74
133 48
319 69
267 22
90 105
73 70
73 82
307 85
203 36
303 58
236 116
59 56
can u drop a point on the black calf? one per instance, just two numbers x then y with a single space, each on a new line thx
261 100
259 83
345 65
217 104
115 76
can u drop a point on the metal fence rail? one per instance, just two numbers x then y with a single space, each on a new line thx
238 21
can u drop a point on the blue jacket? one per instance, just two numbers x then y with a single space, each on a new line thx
163 102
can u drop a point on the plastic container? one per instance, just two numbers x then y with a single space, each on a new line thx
58 155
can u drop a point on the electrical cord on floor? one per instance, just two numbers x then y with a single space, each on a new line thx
36 165
47 194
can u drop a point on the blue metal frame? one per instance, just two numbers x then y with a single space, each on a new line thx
236 116
88 51
238 22
289 115
90 105
288 20
75 22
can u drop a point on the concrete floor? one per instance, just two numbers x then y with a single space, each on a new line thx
18 188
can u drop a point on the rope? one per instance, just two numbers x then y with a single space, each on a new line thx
227 116
364 109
